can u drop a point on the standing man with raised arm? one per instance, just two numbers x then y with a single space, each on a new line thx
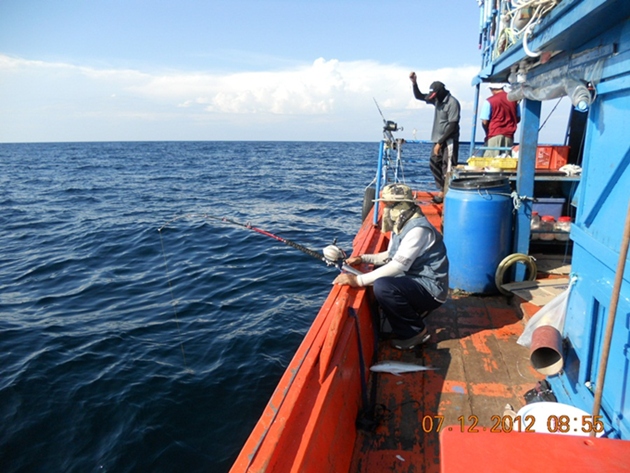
445 133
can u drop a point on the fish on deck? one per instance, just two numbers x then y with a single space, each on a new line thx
398 367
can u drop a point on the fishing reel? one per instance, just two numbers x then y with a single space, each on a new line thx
334 255
388 130
391 126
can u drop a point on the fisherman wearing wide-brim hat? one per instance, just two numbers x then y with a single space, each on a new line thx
410 279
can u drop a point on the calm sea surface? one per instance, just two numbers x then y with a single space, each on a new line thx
124 348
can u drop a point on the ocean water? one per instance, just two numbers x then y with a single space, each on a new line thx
128 349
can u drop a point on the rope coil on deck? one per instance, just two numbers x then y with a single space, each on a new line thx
507 262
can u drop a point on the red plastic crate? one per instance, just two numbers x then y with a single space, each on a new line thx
551 158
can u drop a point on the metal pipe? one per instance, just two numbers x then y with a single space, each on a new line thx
473 134
379 172
546 350
614 301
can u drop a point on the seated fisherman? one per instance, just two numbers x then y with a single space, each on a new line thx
412 275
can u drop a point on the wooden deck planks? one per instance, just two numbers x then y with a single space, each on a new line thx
480 370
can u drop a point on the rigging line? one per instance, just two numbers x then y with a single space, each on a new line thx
174 303
550 113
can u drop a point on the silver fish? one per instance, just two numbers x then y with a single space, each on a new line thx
398 367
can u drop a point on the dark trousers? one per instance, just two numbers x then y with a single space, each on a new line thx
439 163
404 302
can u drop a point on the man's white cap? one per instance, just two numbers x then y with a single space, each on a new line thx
496 85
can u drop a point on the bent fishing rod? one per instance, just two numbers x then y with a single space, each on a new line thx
332 255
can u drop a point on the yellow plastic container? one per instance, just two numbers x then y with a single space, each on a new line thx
503 163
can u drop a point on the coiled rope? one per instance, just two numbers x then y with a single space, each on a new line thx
507 263
510 33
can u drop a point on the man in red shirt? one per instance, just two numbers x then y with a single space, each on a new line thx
499 118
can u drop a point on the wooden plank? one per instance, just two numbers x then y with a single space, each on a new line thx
538 292
553 264
537 283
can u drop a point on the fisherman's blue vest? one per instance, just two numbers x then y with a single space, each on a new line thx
430 269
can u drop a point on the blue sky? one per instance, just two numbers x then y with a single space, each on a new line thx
112 70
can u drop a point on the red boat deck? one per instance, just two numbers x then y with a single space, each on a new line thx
479 369
309 422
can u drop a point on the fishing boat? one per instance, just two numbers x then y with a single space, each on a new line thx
473 398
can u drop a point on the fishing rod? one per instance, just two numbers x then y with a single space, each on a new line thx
332 255
389 126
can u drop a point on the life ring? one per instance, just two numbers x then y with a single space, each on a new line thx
507 262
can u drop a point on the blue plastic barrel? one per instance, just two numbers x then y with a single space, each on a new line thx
477 231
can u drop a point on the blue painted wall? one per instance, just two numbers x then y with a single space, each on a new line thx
603 199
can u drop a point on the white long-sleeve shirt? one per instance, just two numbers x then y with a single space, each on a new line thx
414 244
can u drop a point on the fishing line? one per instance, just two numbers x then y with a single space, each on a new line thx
173 302
332 256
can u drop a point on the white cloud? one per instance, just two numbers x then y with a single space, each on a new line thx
318 88
323 100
